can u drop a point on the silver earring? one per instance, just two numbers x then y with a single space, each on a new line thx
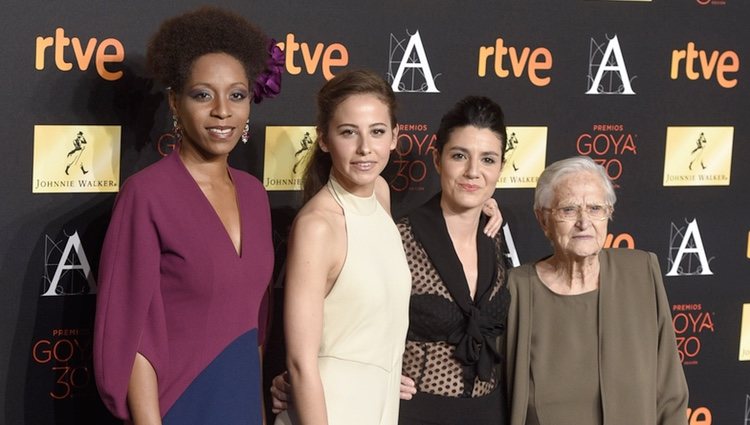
245 131
176 127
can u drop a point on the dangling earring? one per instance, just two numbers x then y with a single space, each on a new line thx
176 127
245 131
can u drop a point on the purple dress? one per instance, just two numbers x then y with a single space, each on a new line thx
173 288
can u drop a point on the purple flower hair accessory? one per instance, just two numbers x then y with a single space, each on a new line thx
268 83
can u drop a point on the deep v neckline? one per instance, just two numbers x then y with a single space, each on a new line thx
215 214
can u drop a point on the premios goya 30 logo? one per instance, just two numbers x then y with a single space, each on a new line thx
68 355
698 156
608 145
692 323
286 155
412 159
76 158
525 154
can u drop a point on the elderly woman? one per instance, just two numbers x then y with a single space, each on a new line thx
590 337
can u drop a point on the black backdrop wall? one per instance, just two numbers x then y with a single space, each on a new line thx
657 91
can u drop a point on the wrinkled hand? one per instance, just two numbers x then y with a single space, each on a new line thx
492 211
407 389
281 393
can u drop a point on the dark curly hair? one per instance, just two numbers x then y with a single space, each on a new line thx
183 39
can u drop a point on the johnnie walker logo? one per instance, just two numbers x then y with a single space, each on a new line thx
698 156
73 159
524 157
286 156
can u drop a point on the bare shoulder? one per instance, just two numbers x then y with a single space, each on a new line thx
317 243
319 221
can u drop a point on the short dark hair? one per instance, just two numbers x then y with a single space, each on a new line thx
476 111
183 39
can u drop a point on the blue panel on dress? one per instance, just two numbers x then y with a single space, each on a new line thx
227 392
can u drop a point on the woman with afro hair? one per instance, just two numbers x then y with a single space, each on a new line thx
188 253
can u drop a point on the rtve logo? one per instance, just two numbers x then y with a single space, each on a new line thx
699 416
720 63
108 51
533 61
335 55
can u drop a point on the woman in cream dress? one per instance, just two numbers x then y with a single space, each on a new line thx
347 285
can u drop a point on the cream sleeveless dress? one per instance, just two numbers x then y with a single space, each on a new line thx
365 319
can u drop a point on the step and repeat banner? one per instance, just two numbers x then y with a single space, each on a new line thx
655 91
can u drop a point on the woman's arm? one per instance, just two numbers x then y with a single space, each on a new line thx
310 260
129 278
143 393
495 217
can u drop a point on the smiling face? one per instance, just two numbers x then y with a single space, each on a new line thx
213 106
469 167
582 237
359 138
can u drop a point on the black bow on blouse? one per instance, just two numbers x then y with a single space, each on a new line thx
476 341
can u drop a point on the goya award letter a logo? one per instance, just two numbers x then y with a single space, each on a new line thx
76 158
286 155
525 153
698 156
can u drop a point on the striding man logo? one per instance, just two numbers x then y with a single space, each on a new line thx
75 155
511 146
305 145
696 156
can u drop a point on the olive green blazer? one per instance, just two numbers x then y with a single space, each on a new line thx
640 375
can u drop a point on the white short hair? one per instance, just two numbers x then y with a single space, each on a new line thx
551 176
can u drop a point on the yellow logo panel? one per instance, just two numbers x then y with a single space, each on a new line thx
698 156
76 158
286 155
525 153
745 334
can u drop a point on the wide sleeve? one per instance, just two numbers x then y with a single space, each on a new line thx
129 317
671 390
